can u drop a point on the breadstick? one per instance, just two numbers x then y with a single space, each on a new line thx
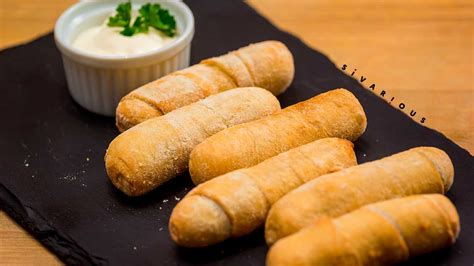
416 171
382 233
236 203
336 113
151 153
266 64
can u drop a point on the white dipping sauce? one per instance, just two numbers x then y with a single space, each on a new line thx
105 40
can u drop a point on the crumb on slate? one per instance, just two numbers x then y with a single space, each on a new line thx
69 177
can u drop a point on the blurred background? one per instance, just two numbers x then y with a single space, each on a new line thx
420 52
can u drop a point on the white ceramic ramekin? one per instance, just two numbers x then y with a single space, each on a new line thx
98 83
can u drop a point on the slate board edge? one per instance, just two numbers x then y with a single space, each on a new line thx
63 245
59 243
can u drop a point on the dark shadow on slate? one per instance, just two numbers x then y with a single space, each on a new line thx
52 174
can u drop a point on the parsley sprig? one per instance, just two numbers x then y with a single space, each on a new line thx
150 15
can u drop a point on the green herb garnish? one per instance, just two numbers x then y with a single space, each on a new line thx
123 16
151 15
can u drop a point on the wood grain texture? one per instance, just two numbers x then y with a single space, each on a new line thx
420 52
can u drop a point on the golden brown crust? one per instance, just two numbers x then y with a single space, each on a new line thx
204 217
333 114
138 111
209 79
158 149
441 161
233 67
269 63
245 195
382 233
402 174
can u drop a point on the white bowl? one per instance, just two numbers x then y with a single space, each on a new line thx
98 82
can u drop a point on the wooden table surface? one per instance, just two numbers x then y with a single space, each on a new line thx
420 52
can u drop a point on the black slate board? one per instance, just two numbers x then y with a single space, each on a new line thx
52 177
